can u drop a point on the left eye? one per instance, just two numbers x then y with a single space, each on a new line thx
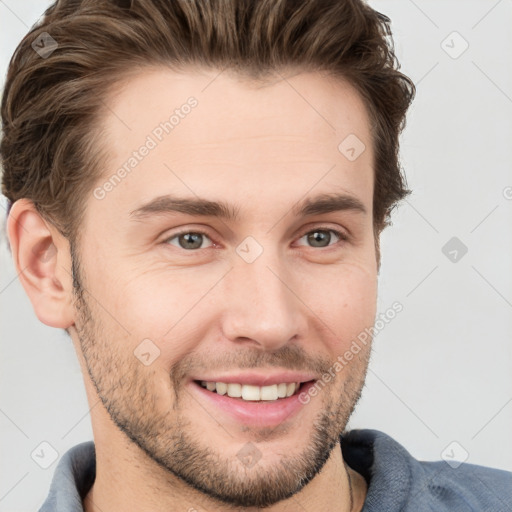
190 240
322 237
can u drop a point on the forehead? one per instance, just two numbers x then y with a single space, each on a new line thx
207 133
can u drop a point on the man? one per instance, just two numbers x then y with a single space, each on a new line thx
198 189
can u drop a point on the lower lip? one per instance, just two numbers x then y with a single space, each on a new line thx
256 414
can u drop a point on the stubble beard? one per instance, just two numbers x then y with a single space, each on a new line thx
177 444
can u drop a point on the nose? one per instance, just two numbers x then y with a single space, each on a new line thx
261 306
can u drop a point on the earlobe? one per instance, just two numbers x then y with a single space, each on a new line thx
43 263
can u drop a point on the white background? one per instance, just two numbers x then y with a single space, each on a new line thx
441 370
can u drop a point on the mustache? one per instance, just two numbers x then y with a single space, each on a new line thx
289 357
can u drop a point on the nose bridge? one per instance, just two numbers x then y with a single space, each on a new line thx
260 305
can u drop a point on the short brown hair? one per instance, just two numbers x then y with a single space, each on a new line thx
50 150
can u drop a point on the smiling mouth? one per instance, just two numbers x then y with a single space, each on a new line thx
250 393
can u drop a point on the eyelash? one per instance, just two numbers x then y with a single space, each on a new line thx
341 235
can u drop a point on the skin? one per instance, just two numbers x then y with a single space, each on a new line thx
297 306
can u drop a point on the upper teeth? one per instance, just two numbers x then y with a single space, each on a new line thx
249 392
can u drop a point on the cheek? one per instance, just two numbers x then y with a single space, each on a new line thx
345 302
167 307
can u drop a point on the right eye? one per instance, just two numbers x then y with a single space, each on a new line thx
188 240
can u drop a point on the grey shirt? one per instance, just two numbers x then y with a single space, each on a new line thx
397 482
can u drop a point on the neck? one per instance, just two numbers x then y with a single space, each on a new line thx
127 480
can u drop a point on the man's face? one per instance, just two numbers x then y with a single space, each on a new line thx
266 293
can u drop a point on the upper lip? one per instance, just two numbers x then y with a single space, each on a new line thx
259 379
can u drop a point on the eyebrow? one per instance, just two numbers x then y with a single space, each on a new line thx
324 203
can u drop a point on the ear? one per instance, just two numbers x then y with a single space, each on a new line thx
43 263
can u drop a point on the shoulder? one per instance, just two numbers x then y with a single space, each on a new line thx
467 487
398 481
72 479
